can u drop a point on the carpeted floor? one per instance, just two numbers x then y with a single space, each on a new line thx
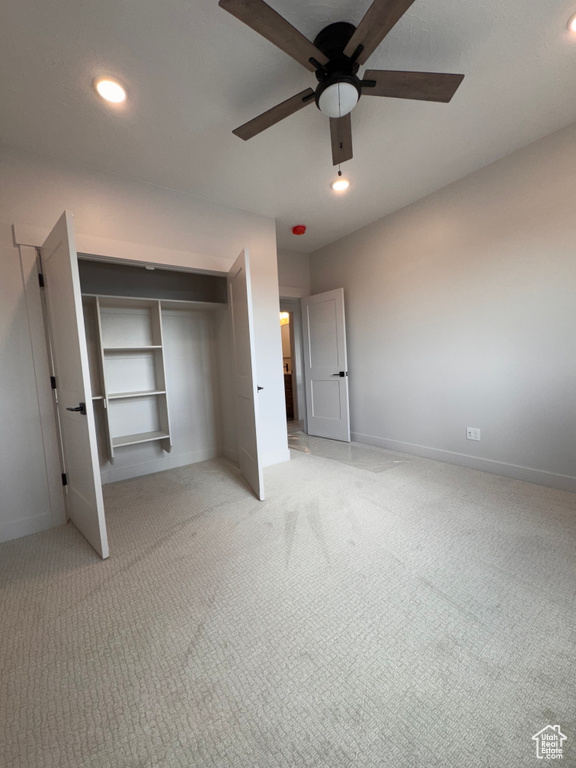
422 616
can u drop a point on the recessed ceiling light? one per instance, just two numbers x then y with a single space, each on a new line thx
110 90
340 184
572 23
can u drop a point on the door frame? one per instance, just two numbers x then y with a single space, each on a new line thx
293 306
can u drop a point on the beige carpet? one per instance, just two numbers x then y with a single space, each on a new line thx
419 616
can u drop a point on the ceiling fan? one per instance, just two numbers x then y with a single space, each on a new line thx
335 56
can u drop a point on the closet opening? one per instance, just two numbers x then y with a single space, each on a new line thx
152 368
158 352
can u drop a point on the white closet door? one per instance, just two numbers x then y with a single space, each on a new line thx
326 366
245 386
70 361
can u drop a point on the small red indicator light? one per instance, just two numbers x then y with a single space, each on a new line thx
299 229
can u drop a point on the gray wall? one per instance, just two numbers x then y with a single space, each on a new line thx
461 311
293 274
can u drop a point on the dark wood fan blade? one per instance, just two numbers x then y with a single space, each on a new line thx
264 20
425 86
341 136
377 22
274 115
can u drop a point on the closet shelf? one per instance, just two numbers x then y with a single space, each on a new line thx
131 349
142 437
139 393
121 302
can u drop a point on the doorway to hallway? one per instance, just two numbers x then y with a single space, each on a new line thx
288 362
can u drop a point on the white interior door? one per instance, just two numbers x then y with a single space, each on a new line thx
325 365
245 385
70 359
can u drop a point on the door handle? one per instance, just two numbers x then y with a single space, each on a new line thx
81 408
341 374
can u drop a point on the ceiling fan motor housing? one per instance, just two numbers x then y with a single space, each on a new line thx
334 38
339 71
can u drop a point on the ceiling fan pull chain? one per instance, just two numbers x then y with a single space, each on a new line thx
339 128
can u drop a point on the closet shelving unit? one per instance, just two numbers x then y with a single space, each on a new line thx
130 380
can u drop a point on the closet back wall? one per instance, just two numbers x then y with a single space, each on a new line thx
190 344
144 224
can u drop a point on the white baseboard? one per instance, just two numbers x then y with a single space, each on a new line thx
27 526
529 475
170 461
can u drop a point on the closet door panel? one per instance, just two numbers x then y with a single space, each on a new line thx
244 373
70 361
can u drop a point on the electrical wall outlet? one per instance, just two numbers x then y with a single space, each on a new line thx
472 433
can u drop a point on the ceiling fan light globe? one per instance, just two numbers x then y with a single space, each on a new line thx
338 99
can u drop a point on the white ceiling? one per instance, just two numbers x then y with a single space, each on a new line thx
193 73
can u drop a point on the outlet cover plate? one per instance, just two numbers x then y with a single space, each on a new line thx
472 433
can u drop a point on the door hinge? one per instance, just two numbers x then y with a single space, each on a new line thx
41 279
64 479
53 382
